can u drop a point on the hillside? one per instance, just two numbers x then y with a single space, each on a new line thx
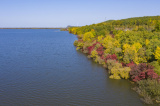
128 49
136 24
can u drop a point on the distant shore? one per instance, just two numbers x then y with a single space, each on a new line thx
31 28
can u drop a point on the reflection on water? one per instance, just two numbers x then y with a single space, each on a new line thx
42 67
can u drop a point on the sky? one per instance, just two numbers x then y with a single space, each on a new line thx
61 13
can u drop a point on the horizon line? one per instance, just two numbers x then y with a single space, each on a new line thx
32 27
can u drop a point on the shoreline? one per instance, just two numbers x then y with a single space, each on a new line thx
146 99
116 45
31 28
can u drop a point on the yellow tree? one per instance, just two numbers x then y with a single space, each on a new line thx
157 54
73 30
137 46
108 44
131 53
94 54
147 42
88 36
100 39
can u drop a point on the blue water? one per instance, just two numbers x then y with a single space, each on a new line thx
42 67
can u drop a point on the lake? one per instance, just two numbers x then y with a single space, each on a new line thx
42 67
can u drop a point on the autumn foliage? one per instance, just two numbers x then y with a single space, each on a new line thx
128 49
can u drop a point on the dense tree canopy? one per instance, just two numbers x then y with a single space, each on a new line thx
128 48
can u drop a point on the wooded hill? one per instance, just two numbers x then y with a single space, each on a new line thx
128 49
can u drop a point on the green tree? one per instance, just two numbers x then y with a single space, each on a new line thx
157 26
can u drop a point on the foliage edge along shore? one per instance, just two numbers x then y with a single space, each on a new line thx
128 48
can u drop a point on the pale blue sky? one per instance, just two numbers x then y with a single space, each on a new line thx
60 13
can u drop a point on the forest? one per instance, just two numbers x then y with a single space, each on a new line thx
128 48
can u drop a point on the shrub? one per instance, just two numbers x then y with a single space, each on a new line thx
88 36
86 45
90 49
147 99
100 51
99 60
118 72
114 76
142 71
85 50
157 26
156 66
123 64
126 59
130 64
115 71
80 45
94 54
112 57
75 43
157 54
97 45
118 50
151 74
110 64
150 87
92 46
124 72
